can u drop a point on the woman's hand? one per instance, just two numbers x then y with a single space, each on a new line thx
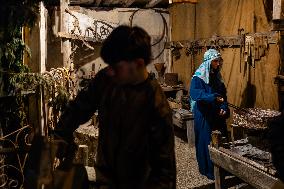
220 99
222 112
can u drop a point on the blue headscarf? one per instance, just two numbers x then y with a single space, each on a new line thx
203 72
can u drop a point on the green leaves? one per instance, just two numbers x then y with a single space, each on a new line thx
14 15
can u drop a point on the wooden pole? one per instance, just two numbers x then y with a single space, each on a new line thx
277 9
65 43
83 155
42 64
219 173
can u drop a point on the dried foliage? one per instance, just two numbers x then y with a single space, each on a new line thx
14 75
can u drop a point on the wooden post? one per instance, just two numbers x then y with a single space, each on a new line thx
219 173
42 64
216 139
277 9
190 133
153 3
232 134
83 155
183 1
65 43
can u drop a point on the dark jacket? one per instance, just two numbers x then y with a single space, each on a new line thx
136 140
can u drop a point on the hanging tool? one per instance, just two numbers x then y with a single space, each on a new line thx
237 107
242 37
241 109
256 47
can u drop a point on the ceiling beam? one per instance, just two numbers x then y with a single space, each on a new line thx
98 2
110 2
128 3
153 3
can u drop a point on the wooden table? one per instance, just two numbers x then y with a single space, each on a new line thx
171 91
247 170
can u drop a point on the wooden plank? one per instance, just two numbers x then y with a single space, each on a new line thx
91 174
225 41
81 2
278 25
110 2
253 163
75 37
42 65
184 1
190 133
98 2
216 138
243 170
153 3
277 9
128 3
83 155
42 37
65 44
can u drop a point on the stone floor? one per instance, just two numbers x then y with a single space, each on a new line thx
188 176
187 170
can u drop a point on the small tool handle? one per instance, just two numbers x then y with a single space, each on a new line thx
237 107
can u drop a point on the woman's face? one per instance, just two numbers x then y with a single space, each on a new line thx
215 64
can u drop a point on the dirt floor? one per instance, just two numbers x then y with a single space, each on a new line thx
187 170
188 176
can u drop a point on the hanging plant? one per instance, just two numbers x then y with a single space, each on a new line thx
14 15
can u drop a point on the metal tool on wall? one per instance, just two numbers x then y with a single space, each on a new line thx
236 107
253 46
242 36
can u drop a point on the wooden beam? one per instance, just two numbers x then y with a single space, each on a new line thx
83 155
98 2
128 3
76 37
65 44
109 2
153 3
42 37
219 175
242 169
183 1
42 66
277 9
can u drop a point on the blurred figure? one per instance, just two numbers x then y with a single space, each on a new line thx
209 106
136 140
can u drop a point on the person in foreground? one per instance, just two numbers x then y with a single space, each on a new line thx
209 106
136 139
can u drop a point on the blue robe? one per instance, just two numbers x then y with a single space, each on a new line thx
206 118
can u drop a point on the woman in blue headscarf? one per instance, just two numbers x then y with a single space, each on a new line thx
209 105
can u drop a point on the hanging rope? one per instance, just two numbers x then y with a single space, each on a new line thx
164 35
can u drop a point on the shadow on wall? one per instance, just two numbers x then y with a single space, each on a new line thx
84 55
249 94
54 55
